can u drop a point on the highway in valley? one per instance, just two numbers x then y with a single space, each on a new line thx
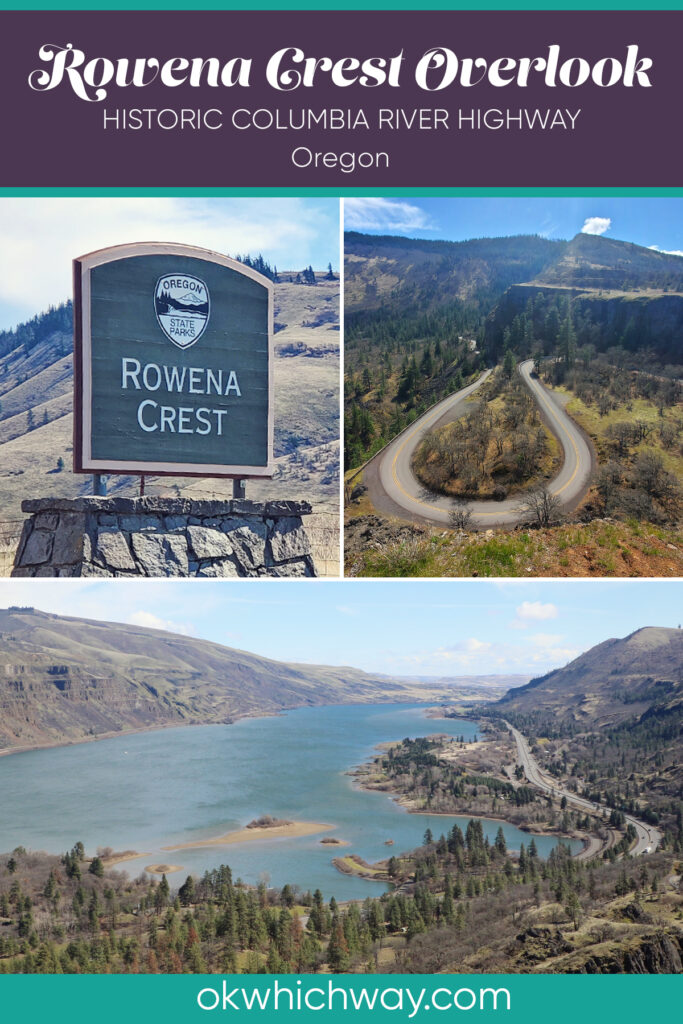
648 837
394 489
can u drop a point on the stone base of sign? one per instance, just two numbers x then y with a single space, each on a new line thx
133 537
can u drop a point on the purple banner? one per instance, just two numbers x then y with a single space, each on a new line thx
340 99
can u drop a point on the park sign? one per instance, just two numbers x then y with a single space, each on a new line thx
173 363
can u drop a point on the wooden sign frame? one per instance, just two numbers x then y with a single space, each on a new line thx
84 462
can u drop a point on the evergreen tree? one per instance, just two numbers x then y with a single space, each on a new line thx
509 364
96 867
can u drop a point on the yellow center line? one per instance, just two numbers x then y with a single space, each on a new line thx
540 397
422 425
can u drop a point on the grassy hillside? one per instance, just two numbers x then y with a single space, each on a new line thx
65 679
635 420
609 684
381 547
600 263
384 271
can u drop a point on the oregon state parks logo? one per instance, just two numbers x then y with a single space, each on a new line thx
182 306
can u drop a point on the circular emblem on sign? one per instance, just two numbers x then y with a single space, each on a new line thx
181 303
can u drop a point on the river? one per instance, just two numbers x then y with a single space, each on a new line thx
149 790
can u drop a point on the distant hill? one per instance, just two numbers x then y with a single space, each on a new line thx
611 724
609 684
619 296
592 261
385 270
394 272
67 679
623 295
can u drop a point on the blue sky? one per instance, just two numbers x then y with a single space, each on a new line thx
404 627
651 222
39 237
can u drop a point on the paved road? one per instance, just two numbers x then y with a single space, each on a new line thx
394 489
648 838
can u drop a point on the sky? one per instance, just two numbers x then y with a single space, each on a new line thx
39 237
423 628
652 222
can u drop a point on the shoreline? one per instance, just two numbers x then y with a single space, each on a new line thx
121 733
237 717
591 845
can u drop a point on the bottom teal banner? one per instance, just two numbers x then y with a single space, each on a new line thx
59 999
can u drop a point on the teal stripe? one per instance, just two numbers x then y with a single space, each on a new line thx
358 191
344 5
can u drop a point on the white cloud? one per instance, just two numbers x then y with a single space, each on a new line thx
150 621
533 611
535 653
667 252
39 237
596 225
477 645
375 214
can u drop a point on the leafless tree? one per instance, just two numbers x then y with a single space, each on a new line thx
669 433
604 404
542 506
459 518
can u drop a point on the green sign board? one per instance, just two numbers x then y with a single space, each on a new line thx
173 355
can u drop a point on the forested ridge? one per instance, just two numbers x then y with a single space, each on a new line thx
464 904
423 317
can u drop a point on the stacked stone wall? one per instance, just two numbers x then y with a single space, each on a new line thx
134 537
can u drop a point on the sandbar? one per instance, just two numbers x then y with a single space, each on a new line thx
119 858
248 835
163 869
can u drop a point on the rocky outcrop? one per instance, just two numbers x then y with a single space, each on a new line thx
536 945
654 954
131 537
